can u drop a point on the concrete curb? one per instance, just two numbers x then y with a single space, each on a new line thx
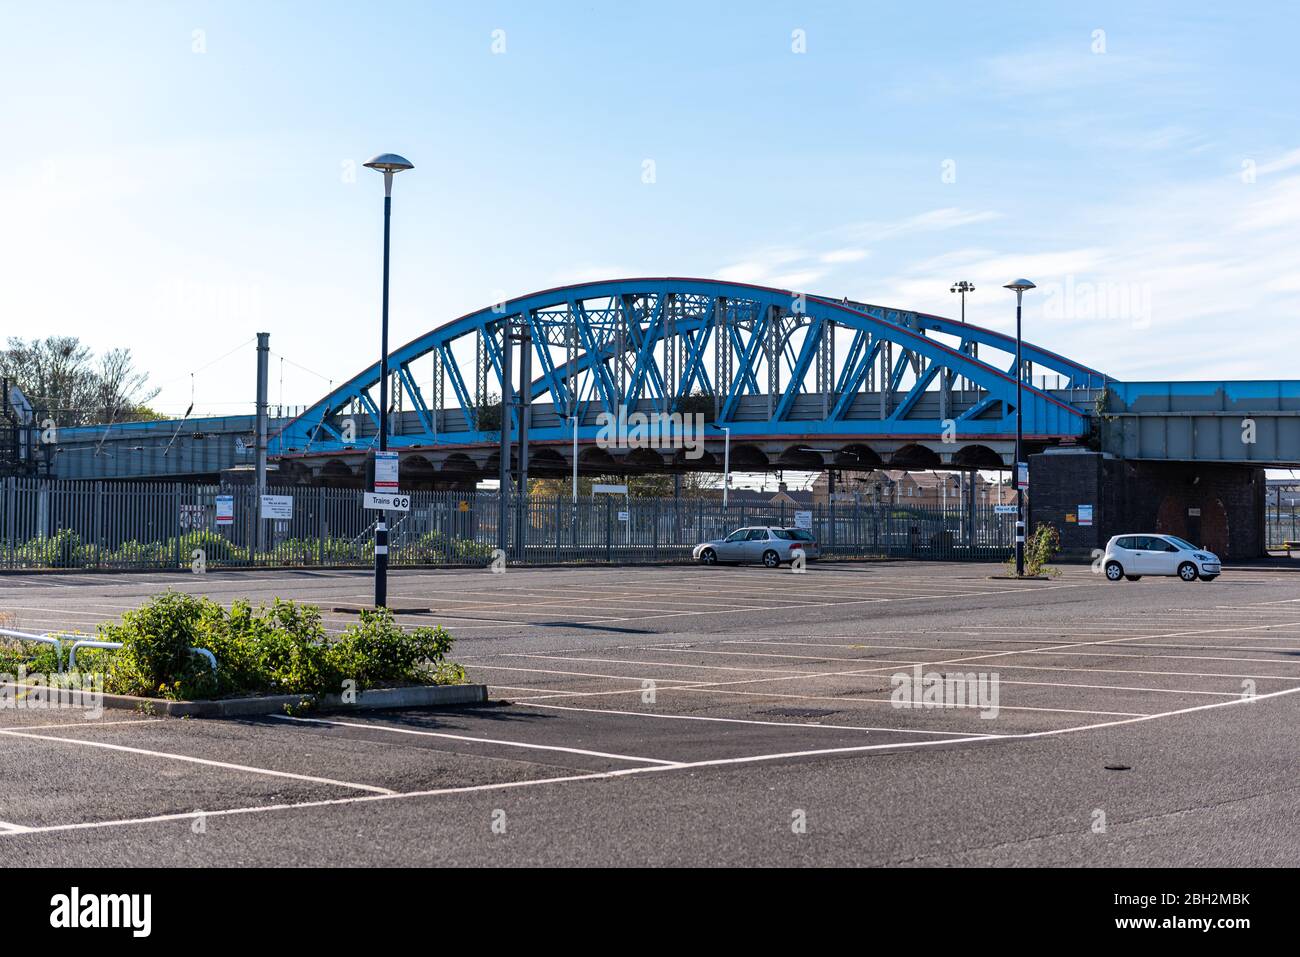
418 696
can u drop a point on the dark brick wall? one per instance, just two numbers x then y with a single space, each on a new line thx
1058 485
1149 496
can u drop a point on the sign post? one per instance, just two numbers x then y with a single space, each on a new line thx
385 484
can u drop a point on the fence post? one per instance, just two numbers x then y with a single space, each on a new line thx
11 516
176 519
320 527
558 499
99 523
609 533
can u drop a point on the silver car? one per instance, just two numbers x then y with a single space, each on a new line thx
771 545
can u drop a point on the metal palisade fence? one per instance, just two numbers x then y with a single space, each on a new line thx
1281 525
72 524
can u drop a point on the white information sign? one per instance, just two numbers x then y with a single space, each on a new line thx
388 502
803 520
225 509
277 506
386 472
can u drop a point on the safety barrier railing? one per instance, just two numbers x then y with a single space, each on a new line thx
47 639
115 645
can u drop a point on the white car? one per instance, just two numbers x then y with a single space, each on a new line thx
1132 556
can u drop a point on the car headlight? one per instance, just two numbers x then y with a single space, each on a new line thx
1201 558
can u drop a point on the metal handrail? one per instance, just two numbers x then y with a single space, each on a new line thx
44 639
114 645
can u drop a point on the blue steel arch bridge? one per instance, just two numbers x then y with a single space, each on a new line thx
799 381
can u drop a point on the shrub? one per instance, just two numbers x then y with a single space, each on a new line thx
1040 548
377 650
133 553
280 649
63 549
217 549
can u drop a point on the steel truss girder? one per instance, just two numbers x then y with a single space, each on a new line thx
602 344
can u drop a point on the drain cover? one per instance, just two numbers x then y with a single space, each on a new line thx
1118 767
799 712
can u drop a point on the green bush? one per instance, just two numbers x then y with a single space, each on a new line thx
133 553
434 547
63 549
280 649
217 549
375 650
309 551
1040 548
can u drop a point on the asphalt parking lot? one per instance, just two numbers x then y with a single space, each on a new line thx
681 715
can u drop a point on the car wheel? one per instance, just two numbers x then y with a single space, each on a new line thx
708 557
1134 578
1114 571
1208 578
1187 572
771 559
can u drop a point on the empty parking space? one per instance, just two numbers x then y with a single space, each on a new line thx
607 675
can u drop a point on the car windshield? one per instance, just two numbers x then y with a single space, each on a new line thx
1181 543
798 534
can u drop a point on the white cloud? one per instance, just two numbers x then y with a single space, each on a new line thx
1062 67
838 256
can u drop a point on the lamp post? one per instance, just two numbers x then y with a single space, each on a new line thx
726 460
963 287
573 517
1019 286
574 420
388 164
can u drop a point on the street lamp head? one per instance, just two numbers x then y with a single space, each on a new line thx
1020 285
388 164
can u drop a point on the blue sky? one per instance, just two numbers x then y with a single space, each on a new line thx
181 175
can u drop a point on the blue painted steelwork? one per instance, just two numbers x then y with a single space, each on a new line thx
1205 421
646 344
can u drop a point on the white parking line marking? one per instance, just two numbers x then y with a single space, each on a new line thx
779 724
580 674
500 786
88 723
623 772
465 737
193 760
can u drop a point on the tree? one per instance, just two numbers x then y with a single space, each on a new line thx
63 377
694 485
